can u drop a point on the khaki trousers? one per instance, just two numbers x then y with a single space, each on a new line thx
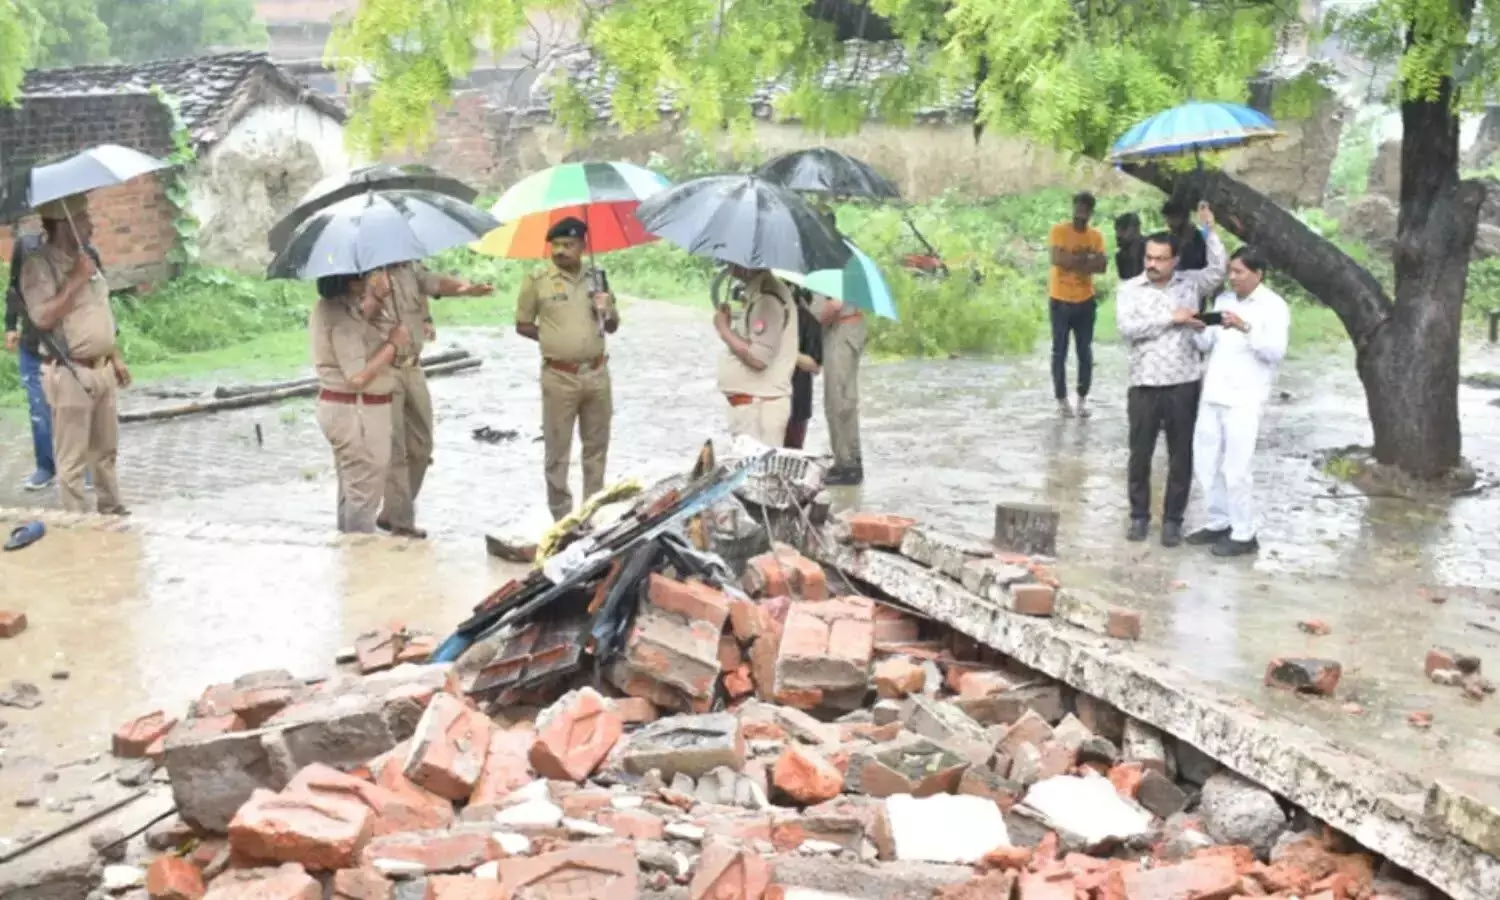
584 399
361 439
843 345
411 446
85 433
764 419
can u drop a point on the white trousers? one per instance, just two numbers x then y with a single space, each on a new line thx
1223 447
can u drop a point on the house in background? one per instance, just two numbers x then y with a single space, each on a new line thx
262 137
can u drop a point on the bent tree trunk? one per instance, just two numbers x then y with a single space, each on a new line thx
1406 347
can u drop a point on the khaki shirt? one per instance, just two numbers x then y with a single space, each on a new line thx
342 343
413 285
559 305
87 332
769 323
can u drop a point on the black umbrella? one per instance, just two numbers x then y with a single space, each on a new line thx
378 228
824 171
381 176
746 220
106 165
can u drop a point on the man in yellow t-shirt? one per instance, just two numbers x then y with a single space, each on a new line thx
1077 256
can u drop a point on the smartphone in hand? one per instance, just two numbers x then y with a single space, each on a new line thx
1211 318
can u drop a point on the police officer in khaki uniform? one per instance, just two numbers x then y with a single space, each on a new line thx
843 345
760 354
352 353
65 294
564 308
410 286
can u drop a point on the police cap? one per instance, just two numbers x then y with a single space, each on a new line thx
571 227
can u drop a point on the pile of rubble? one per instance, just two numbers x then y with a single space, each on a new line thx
765 740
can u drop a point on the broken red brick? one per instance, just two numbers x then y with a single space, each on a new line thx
763 654
376 650
595 871
1206 877
11 623
1420 719
636 710
574 736
1030 599
174 878
671 662
805 776
727 871
1046 886
1438 658
635 824
1007 859
434 851
583 804
892 626
748 619
133 739
766 576
896 678
784 571
1315 627
692 600
507 765
403 808
289 882
1124 623
449 748
1307 676
978 685
318 831
739 683
730 657
361 884
257 705
417 649
1127 777
881 531
463 887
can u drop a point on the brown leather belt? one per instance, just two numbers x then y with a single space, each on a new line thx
740 399
574 368
353 399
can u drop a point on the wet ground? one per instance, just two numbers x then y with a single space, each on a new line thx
227 565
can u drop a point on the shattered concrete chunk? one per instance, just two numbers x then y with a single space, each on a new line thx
1086 811
1237 811
1083 609
949 554
940 829
688 745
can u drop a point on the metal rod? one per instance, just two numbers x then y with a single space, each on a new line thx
79 822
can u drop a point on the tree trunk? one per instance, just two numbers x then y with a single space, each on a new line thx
1407 349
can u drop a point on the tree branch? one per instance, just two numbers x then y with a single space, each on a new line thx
1311 260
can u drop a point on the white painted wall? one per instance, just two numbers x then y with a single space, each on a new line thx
255 174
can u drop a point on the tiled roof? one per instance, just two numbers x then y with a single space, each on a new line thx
862 65
208 89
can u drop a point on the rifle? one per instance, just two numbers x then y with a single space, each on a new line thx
56 350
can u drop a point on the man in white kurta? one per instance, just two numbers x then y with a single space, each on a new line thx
1244 352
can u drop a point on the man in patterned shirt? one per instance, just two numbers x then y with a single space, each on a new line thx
1157 314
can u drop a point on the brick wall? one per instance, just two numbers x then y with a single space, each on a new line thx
132 222
465 143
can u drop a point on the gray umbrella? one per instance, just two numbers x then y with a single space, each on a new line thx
380 176
97 167
379 228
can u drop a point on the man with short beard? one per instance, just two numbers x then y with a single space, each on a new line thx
566 310
1157 315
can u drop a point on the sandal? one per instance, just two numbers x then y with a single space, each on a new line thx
25 535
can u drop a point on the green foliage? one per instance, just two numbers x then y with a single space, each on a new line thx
1350 174
184 222
150 29
15 51
64 32
206 309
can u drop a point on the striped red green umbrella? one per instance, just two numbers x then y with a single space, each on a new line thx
603 195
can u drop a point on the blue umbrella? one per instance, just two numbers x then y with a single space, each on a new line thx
859 283
1191 128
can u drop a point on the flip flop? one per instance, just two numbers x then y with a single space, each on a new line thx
25 535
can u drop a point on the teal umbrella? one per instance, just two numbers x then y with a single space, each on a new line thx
859 283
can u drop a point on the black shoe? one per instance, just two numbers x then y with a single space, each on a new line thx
1171 534
1231 547
1207 537
844 476
1138 529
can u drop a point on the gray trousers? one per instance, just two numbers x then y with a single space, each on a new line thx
843 345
